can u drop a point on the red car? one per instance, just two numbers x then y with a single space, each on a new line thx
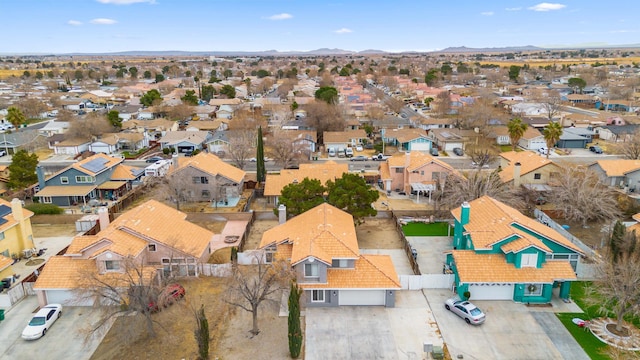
168 296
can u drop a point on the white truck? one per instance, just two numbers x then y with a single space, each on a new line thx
379 157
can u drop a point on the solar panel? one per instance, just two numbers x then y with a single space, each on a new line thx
4 210
95 165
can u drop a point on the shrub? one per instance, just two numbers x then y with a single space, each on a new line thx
42 209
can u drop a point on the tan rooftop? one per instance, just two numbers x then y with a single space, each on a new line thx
329 170
618 167
529 161
211 164
370 272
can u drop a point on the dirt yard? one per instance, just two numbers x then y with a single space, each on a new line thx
53 230
378 234
255 235
175 325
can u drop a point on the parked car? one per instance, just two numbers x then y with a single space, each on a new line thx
543 151
169 295
41 322
359 158
358 147
458 151
348 152
596 149
433 152
154 159
466 310
332 152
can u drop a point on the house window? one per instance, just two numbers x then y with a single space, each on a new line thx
84 179
537 176
200 180
206 194
111 265
64 180
311 270
399 170
152 247
317 295
340 263
2 236
45 199
528 260
533 289
422 172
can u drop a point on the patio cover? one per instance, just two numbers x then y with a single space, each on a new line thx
66 190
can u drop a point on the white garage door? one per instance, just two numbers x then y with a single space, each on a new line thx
451 146
66 297
491 291
418 146
362 297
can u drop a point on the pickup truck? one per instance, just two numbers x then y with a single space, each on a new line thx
379 157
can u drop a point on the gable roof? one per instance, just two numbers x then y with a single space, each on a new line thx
96 164
126 172
329 170
175 137
491 221
417 160
532 133
618 167
343 136
406 135
529 161
373 271
210 164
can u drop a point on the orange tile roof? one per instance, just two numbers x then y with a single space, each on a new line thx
370 272
329 170
618 167
10 221
491 221
529 161
211 164
343 136
123 172
417 160
324 232
493 268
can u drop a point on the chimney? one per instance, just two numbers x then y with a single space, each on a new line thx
282 214
464 213
40 173
516 174
103 217
16 210
174 161
407 159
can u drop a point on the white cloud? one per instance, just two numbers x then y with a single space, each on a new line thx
103 21
343 31
514 9
486 13
74 22
283 16
547 7
125 2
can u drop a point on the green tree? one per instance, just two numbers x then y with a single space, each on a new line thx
190 98
302 196
26 74
516 129
514 72
22 170
229 91
328 94
147 74
78 75
133 71
207 92
39 75
617 246
261 171
431 77
150 97
262 73
15 117
352 194
159 78
294 106
227 73
344 72
552 133
114 118
577 83
446 69
295 331
201 333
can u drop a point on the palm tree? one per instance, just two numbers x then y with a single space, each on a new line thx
516 128
552 133
16 117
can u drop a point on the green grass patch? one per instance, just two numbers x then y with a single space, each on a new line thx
424 229
41 209
591 344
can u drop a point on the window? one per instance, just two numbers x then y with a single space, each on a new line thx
204 180
317 295
537 176
64 180
2 236
111 265
399 170
339 263
84 179
422 172
152 247
206 193
533 289
310 270
528 260
45 199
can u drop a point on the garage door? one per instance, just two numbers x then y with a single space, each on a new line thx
362 297
66 297
451 146
491 291
420 146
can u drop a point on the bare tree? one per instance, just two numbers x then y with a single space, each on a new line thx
630 149
394 104
179 112
482 151
94 124
375 112
324 117
579 194
31 108
250 285
477 184
242 146
284 150
176 188
551 103
443 104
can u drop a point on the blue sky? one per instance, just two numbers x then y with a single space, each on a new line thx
62 26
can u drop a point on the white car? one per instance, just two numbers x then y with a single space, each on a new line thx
358 148
42 321
470 313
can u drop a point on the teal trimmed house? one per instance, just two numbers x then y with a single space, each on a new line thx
501 254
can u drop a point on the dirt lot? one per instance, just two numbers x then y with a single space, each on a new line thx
175 340
53 230
378 234
255 235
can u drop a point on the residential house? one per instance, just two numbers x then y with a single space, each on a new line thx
74 104
448 139
154 236
122 180
328 265
185 141
221 124
414 172
154 129
429 123
77 183
112 143
53 127
343 139
224 112
501 254
409 139
26 138
208 178
618 172
532 139
323 171
127 112
71 146
15 234
528 169
616 133
219 142
575 138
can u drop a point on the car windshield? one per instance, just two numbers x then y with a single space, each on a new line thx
37 321
475 312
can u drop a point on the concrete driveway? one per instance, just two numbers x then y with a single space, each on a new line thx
371 332
63 340
511 331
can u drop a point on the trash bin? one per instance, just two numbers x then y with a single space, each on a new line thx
1 314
